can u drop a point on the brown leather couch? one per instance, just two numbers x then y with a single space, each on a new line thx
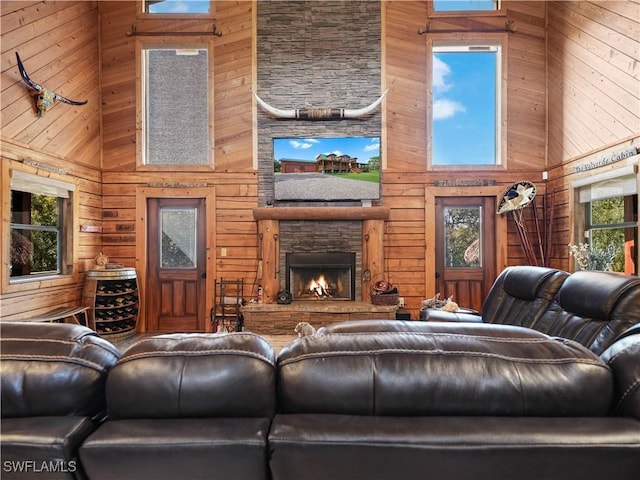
590 307
52 381
358 400
456 402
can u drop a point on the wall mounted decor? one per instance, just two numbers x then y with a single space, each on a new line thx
320 113
45 99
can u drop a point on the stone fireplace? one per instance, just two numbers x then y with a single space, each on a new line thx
354 230
321 276
357 232
325 247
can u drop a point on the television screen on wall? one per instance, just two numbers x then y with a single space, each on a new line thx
327 168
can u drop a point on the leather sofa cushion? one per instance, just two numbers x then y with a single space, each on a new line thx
521 295
596 294
469 328
178 448
442 374
194 375
51 369
593 308
52 441
456 447
532 282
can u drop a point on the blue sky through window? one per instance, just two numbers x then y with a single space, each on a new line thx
464 108
178 6
362 148
463 5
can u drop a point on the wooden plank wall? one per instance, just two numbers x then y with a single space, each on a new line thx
82 50
408 256
59 46
233 177
594 95
594 70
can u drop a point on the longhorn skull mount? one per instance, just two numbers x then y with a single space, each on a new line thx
319 113
45 99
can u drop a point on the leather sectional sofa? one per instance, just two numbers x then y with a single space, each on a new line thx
53 380
358 400
590 307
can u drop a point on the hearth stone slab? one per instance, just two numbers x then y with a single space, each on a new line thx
276 319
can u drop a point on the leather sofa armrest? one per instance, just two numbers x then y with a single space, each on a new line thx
433 315
623 357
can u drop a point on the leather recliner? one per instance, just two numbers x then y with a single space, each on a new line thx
590 307
519 296
53 382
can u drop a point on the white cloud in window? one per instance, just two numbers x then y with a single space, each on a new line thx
372 147
444 108
440 71
307 143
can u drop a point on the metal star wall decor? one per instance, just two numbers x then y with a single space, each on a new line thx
45 99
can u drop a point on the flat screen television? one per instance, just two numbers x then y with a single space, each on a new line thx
327 168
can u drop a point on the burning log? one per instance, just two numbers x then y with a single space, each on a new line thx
320 288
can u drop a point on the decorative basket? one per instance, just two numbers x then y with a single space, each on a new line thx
384 298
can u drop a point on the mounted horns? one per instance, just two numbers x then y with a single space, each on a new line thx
45 99
320 113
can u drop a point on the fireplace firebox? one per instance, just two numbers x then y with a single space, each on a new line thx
321 276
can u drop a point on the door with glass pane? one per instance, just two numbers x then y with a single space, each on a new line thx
176 270
465 248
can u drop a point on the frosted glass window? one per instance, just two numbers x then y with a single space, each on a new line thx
178 238
176 106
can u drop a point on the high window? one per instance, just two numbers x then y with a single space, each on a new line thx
176 127
41 226
446 6
466 103
177 7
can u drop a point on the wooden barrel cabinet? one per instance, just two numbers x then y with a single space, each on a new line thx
112 298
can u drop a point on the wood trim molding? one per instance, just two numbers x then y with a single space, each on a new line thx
321 213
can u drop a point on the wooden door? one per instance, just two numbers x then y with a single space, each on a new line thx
176 268
465 248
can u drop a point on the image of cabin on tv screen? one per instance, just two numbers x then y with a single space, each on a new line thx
327 169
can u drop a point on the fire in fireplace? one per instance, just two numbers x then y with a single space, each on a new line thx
321 276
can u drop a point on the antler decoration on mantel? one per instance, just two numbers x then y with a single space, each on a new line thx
45 99
319 113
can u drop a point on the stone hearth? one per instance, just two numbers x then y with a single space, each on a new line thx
275 319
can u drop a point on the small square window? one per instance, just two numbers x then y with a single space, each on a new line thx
177 7
39 230
465 5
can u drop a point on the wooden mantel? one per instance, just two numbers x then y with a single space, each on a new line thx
321 213
269 219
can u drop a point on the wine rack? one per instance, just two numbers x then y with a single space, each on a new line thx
112 298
